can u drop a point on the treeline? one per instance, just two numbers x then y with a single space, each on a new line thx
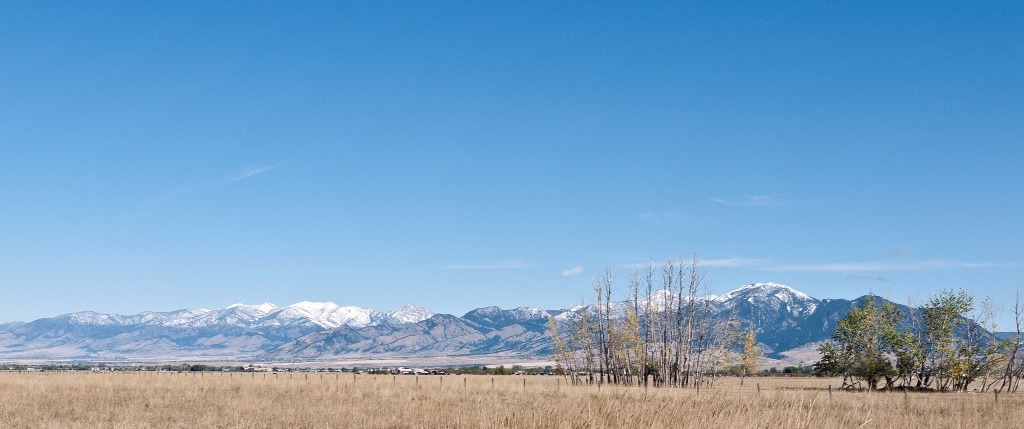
667 337
947 344
105 367
503 370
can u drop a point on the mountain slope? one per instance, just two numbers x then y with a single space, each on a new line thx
238 331
782 317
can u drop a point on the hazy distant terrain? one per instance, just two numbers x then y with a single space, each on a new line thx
788 322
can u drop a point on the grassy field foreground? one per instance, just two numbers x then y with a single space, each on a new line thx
186 400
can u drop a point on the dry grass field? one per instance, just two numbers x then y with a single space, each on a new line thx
221 400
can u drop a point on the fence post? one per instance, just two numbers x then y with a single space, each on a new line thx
758 388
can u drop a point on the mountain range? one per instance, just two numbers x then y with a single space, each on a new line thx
784 319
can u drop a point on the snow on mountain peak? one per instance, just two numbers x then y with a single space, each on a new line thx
765 290
94 318
660 300
530 313
266 307
324 314
774 293
410 314
313 307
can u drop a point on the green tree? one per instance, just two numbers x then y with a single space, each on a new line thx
833 362
861 341
939 357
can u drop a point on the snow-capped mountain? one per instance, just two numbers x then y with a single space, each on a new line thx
783 318
235 331
408 314
772 295
494 317
327 315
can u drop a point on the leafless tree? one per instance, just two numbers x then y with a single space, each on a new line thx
663 338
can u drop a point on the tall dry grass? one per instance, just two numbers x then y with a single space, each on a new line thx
187 400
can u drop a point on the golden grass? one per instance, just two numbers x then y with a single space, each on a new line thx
186 400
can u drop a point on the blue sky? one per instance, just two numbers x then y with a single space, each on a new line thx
454 155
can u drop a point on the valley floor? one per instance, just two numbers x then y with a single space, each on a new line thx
317 400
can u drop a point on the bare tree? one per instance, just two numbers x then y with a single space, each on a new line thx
1014 365
665 339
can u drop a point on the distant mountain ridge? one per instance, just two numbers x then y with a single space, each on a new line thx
326 315
784 319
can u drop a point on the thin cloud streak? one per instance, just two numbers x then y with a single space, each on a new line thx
657 218
897 252
753 201
886 266
879 279
574 271
251 171
245 174
732 262
167 195
498 265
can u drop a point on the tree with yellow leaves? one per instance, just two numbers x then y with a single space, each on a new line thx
751 354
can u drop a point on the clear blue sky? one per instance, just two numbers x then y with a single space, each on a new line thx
166 155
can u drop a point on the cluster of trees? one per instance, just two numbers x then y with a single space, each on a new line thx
503 370
667 337
942 345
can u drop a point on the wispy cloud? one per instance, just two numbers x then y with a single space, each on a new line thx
839 267
571 272
732 262
753 201
249 172
897 252
167 195
244 174
657 218
137 216
497 265
879 279
888 266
